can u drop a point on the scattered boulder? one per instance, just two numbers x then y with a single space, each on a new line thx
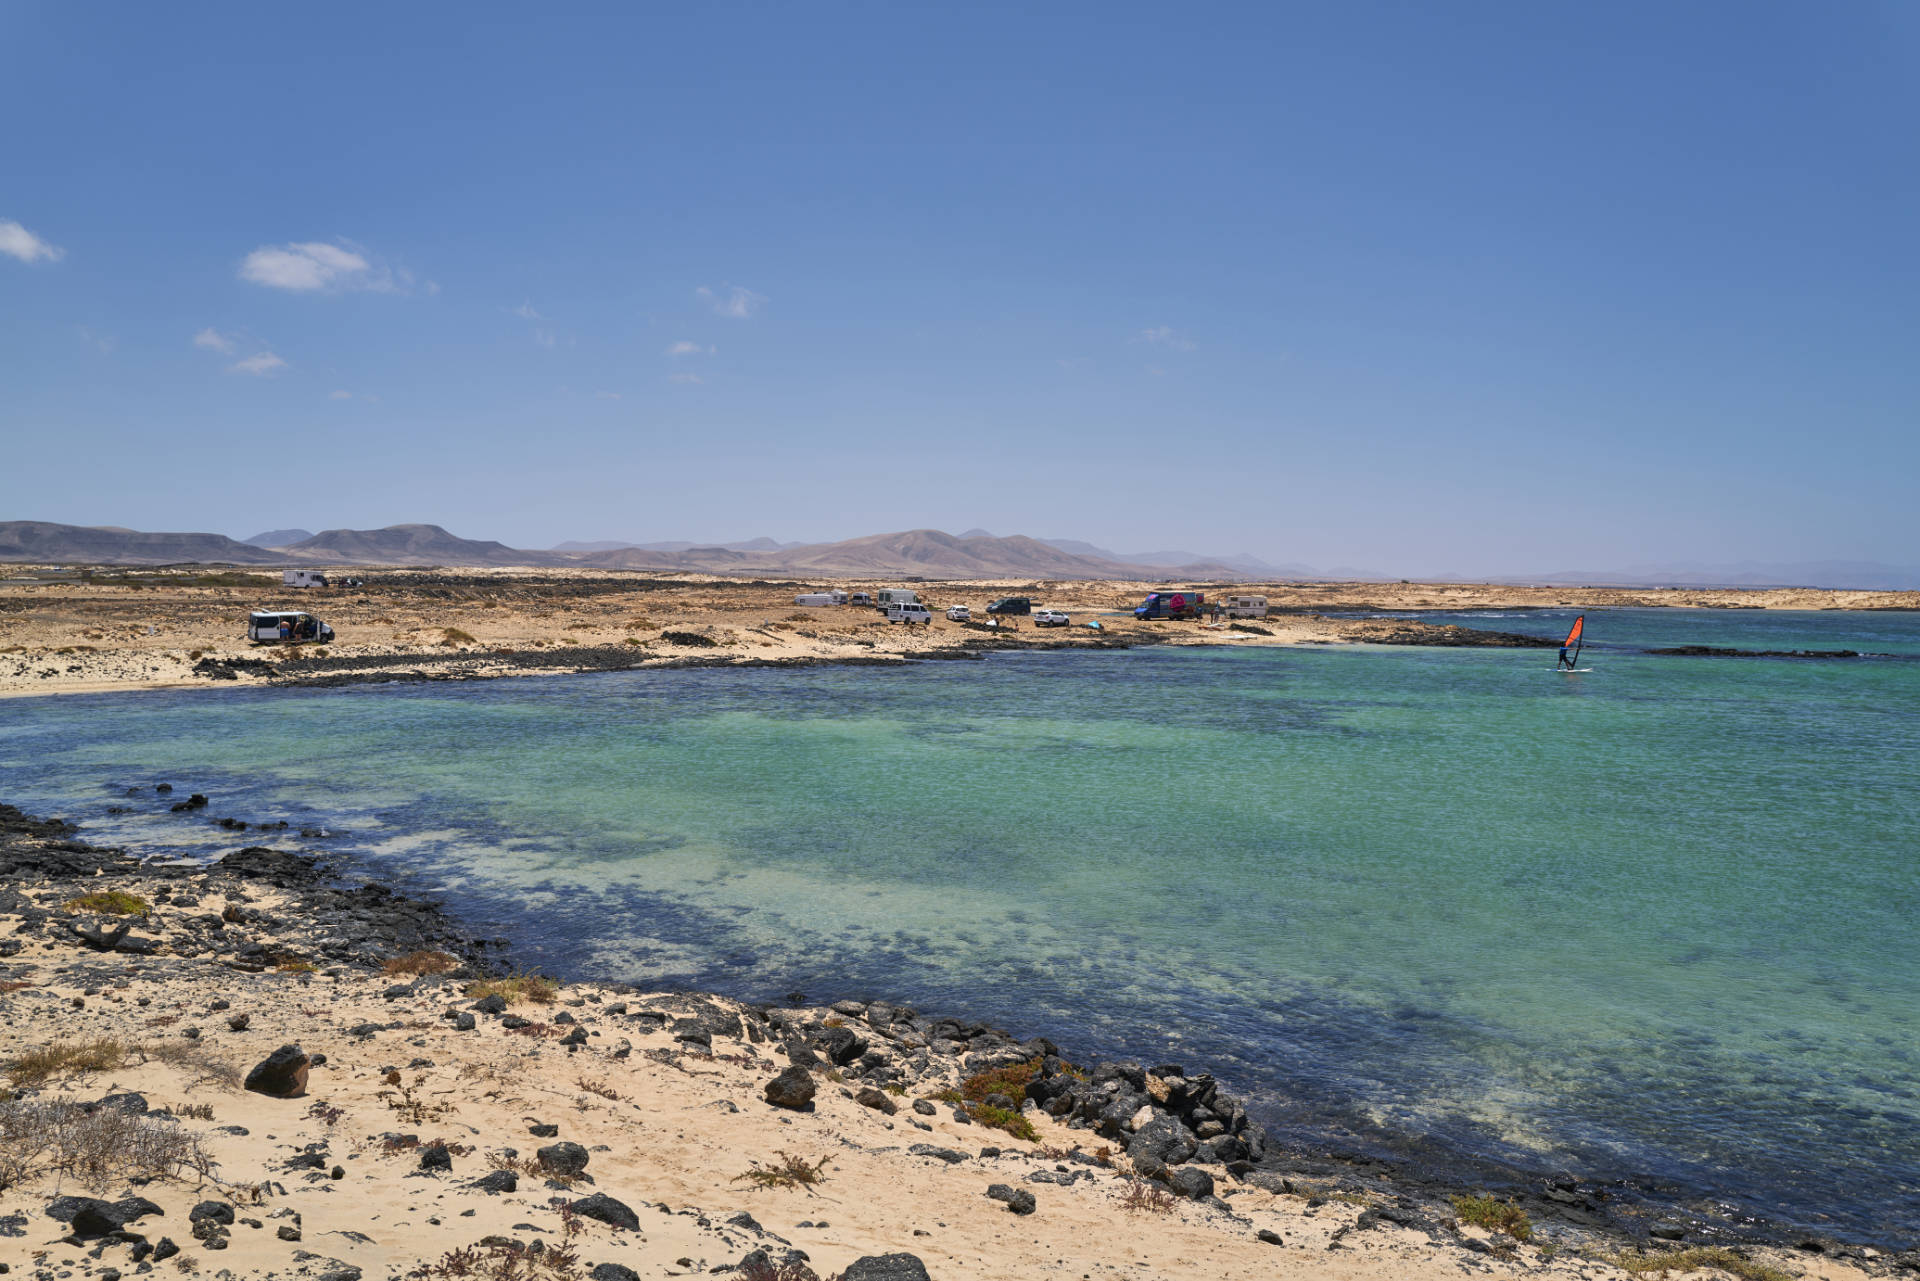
1191 1181
282 1074
886 1267
238 1023
877 1100
436 1157
495 1004
793 1088
217 1211
612 1272
1018 1200
497 1182
568 1160
943 1154
605 1209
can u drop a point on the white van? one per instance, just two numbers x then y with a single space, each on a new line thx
264 627
860 598
908 612
895 596
302 578
1246 607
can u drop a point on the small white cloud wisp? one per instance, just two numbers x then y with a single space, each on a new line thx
262 364
317 267
1166 336
733 301
211 339
17 242
684 348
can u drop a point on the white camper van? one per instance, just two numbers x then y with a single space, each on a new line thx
1246 607
895 596
817 599
302 578
909 612
286 627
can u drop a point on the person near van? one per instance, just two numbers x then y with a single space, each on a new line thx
286 631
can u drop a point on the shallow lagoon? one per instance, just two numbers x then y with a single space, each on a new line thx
1653 921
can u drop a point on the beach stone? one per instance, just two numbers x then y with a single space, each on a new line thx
1018 1200
463 1022
576 1037
886 1267
605 1209
164 1249
924 1107
1191 1181
612 1272
436 1157
287 1232
943 1154
793 1088
568 1160
498 1181
878 1100
282 1074
214 1211
495 1004
1163 1139
542 1131
1269 1236
842 1045
238 1023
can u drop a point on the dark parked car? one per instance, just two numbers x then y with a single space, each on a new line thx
1011 605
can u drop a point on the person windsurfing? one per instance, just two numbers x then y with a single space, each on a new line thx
1566 664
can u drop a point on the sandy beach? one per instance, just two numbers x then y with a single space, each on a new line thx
267 1073
71 631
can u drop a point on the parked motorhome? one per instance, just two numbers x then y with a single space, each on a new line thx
860 598
302 578
1171 605
821 598
1246 607
895 596
286 626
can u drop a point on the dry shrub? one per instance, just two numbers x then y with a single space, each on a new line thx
1145 1194
421 963
601 1088
789 1171
98 1147
110 903
519 987
43 1063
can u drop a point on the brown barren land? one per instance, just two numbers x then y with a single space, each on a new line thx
68 630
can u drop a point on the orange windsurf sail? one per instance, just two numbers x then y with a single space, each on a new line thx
1579 624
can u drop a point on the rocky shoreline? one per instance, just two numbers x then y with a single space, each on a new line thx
260 919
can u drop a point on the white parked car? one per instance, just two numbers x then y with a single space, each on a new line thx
909 612
1050 618
959 614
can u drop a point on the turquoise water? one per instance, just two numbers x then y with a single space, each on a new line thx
1654 923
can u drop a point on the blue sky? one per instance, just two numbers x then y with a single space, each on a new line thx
1425 288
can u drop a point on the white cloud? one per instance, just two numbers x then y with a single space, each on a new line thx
684 348
312 266
103 343
1165 334
262 365
212 339
526 312
340 395
733 300
686 378
544 337
20 243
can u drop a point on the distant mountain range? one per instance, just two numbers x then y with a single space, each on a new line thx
922 553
